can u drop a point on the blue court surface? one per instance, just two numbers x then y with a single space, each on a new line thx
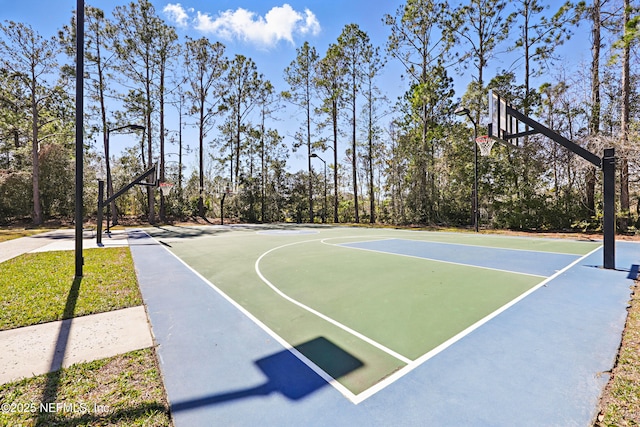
528 262
541 360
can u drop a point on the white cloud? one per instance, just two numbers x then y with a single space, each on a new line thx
311 24
177 14
280 23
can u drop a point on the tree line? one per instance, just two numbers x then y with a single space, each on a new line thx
369 158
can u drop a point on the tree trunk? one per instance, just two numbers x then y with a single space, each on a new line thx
201 159
309 162
625 216
161 165
594 122
354 163
37 205
335 161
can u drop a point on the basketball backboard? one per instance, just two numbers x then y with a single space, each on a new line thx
502 127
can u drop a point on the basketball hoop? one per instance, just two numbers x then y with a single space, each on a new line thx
485 143
165 188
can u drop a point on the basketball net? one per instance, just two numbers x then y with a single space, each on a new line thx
165 188
485 144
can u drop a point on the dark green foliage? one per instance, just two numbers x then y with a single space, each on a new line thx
15 195
411 162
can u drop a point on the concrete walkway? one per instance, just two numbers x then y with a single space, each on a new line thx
58 240
38 349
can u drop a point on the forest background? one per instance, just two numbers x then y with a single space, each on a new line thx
229 137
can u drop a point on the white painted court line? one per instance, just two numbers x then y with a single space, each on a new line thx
317 313
343 245
496 247
448 343
315 368
411 365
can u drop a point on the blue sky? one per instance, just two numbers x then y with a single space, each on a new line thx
266 31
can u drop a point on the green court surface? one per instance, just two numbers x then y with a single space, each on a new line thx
363 290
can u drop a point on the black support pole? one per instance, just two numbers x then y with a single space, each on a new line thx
102 203
609 224
100 209
79 133
608 165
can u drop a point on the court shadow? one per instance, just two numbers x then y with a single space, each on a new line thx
633 271
288 375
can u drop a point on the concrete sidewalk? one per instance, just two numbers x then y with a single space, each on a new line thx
38 349
58 240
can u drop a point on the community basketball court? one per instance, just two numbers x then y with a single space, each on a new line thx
340 325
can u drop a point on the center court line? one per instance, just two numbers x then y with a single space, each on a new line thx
317 313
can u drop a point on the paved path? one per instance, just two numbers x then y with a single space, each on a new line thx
38 349
543 362
58 240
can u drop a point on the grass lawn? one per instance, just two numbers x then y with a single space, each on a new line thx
15 233
124 390
39 287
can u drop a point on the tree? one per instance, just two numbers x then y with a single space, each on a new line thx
241 85
481 25
205 66
269 139
140 41
599 18
421 38
538 39
371 71
329 81
31 59
98 65
427 107
299 75
356 50
168 51
14 122
627 41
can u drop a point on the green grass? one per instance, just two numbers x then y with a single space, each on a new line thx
40 287
124 390
15 233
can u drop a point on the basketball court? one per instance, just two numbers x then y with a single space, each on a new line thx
321 325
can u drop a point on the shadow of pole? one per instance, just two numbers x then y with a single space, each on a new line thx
288 375
50 391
